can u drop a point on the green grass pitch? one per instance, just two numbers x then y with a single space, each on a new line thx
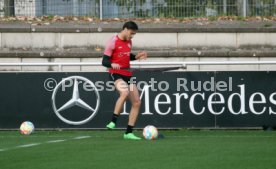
185 149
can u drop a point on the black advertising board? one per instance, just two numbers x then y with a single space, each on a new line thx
168 99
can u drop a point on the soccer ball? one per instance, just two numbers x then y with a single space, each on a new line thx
26 128
150 132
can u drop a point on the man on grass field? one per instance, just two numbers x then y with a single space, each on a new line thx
117 57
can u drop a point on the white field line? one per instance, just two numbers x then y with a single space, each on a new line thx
81 137
28 145
30 136
54 141
36 144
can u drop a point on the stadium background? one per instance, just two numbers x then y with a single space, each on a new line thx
46 32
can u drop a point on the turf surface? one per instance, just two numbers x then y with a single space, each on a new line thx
106 149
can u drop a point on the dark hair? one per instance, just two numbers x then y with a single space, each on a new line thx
131 25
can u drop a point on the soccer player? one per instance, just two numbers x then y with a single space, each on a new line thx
117 57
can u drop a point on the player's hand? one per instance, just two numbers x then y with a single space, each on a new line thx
142 55
115 66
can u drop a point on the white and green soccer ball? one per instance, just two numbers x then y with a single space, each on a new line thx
27 128
150 132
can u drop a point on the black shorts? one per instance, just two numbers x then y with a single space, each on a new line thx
115 76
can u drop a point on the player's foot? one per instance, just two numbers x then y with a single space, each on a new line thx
131 136
110 125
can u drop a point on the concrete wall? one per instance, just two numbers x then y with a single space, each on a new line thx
141 40
161 42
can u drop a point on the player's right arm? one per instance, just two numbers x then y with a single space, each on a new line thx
106 62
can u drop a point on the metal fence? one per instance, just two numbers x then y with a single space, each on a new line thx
149 66
138 8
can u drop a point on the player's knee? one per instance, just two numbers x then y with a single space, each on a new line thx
124 94
136 103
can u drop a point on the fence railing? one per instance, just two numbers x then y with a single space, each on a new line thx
138 8
146 65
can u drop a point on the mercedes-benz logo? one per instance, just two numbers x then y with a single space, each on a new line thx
76 100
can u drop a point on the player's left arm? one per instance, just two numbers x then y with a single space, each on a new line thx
139 56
